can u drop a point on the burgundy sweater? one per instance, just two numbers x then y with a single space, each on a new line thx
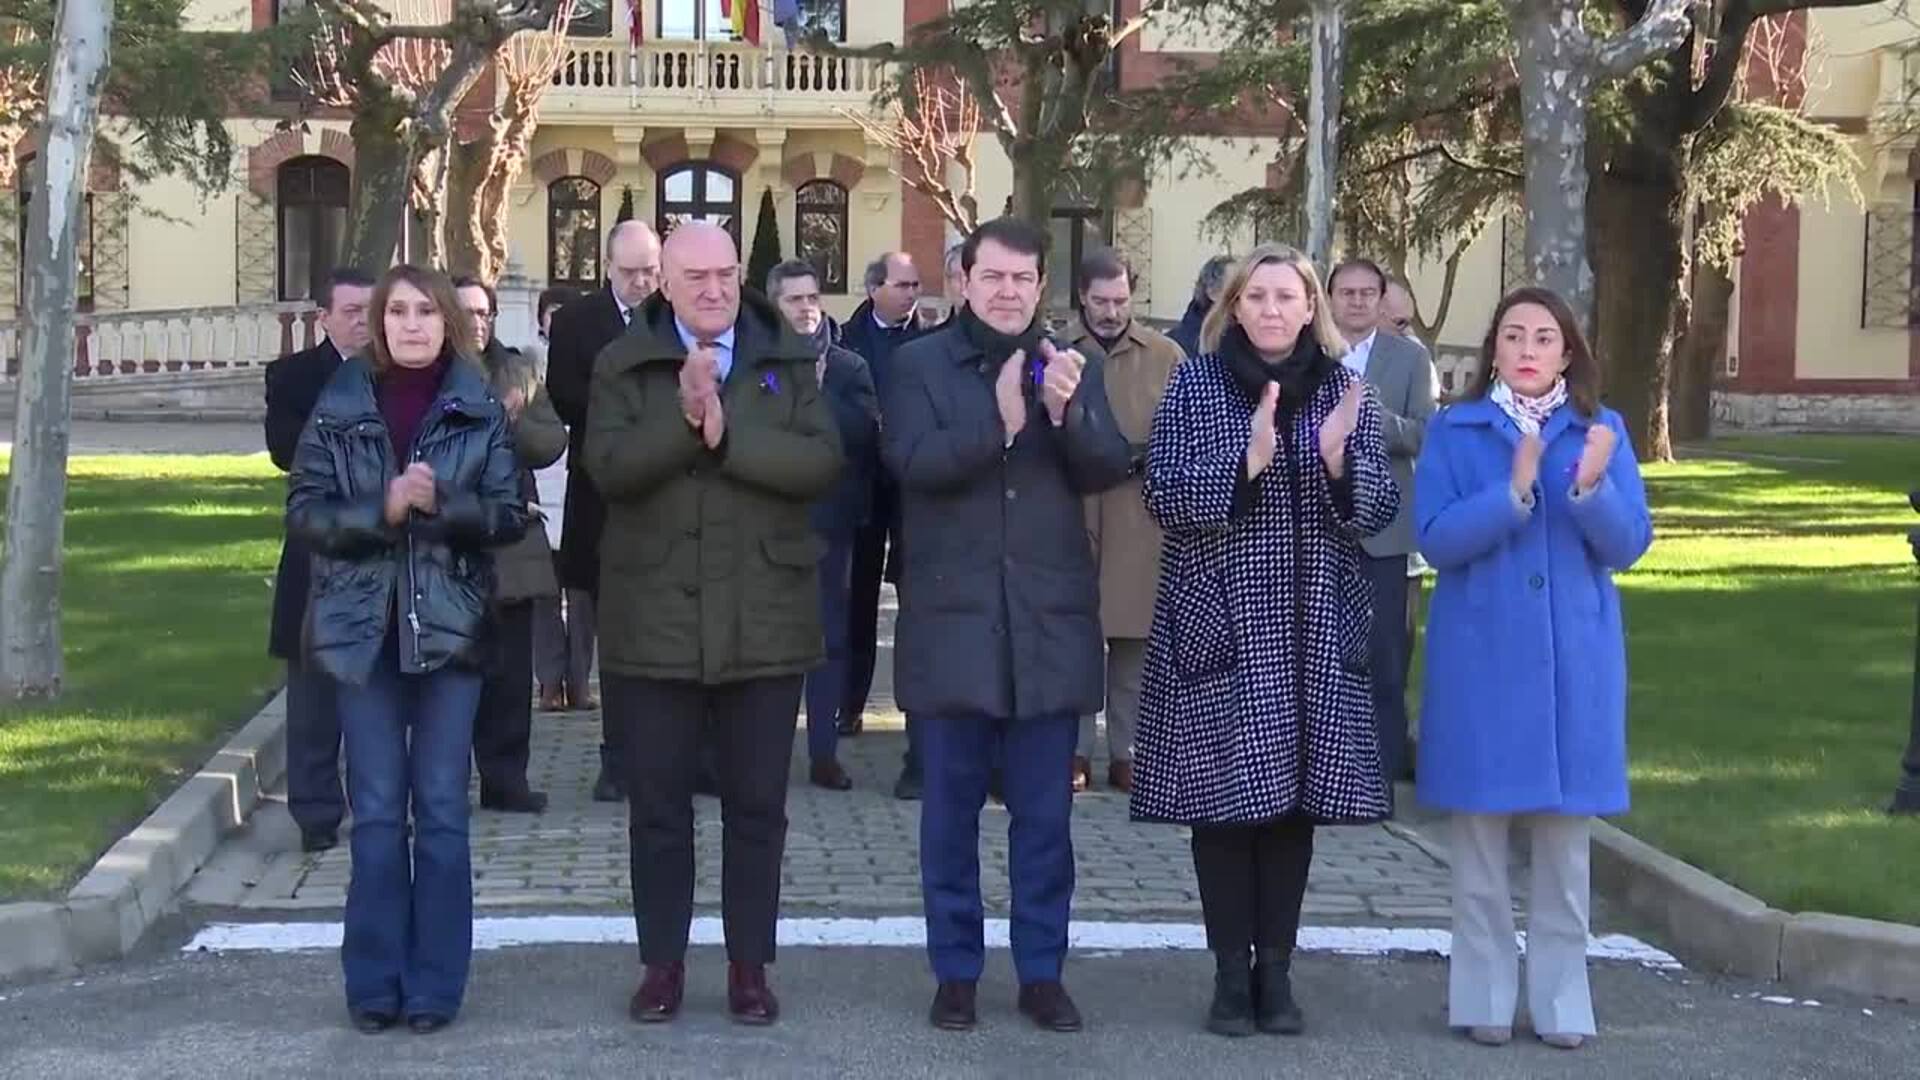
405 395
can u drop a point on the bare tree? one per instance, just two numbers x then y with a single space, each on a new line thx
402 81
481 171
30 655
1561 66
929 129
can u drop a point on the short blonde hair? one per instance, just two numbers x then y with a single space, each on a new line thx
1222 317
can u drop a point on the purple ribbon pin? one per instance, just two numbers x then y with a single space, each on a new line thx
770 382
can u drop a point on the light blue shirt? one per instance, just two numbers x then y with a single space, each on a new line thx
722 345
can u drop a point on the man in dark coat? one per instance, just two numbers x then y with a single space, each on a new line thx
875 329
1206 290
794 287
294 383
523 572
580 331
996 434
710 440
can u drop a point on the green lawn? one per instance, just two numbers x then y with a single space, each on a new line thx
169 564
1771 649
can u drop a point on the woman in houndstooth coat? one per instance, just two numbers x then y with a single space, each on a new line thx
1265 467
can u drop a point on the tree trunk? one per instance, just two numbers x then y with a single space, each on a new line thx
1640 214
1702 350
1036 179
466 173
30 653
1323 126
382 172
1556 85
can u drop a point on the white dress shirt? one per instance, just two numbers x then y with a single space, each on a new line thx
1359 353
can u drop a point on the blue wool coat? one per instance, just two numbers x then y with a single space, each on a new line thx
1525 706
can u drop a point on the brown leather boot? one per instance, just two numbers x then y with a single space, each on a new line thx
1120 776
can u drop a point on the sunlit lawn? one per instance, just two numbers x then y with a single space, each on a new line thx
1771 646
168 567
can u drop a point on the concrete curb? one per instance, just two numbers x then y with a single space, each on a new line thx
135 882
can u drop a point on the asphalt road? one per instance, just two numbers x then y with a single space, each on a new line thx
559 1011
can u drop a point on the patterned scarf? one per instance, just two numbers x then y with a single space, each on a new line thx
1529 413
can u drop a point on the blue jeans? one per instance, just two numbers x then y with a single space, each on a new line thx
1035 755
409 921
826 690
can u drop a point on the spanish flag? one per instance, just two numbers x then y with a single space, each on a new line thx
745 17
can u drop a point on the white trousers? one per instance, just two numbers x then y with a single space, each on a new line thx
1483 976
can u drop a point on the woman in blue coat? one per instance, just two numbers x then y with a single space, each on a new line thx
1528 502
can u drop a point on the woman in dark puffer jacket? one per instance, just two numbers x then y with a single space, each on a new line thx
402 481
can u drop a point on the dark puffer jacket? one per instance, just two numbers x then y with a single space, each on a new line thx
435 574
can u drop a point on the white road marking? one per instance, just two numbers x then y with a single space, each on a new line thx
903 932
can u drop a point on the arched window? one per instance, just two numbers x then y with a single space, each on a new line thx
573 233
591 19
698 191
312 212
23 173
820 225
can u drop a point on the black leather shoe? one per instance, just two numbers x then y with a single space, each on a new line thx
851 724
607 786
907 788
953 1007
315 841
427 1023
522 801
1049 1007
1274 1009
829 774
369 1022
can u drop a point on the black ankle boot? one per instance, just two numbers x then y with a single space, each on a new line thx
1232 1011
1274 1008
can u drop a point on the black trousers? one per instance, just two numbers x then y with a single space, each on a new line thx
1253 879
314 795
503 725
1391 657
751 728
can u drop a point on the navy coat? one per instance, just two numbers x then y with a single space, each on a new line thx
999 593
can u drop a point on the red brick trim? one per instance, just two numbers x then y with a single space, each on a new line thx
798 169
264 160
923 233
550 166
847 171
663 154
598 168
734 155
103 171
1769 299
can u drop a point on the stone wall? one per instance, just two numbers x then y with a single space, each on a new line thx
237 394
1815 412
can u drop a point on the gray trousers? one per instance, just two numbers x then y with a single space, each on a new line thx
563 641
1126 659
1484 974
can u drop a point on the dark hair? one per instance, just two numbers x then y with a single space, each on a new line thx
1105 264
1368 265
1583 372
791 270
1213 275
459 325
350 276
554 296
1011 233
468 281
877 269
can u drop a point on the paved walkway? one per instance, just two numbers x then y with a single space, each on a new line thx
847 853
175 437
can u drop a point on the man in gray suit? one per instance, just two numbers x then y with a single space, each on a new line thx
1402 374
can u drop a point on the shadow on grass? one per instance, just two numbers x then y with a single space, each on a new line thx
165 598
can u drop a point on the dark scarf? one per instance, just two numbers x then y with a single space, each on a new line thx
998 346
1299 375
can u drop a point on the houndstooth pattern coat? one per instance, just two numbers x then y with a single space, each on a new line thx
1255 702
